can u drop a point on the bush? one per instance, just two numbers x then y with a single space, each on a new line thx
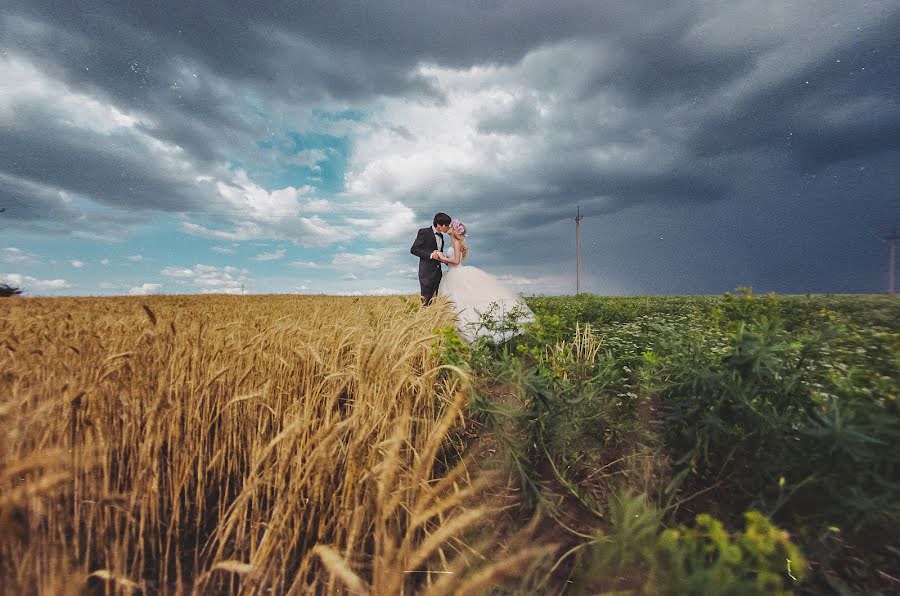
706 559
636 555
591 408
8 290
818 408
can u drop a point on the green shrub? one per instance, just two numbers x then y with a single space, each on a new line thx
707 559
817 408
636 555
451 348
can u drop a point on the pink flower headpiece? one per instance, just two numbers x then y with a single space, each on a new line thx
458 227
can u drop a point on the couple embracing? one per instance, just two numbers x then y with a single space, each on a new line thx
483 305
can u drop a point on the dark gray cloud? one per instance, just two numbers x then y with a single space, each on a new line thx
842 105
342 50
32 203
113 168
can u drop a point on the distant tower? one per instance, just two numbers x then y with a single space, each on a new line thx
892 262
578 251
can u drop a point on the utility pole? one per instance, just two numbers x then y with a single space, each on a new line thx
578 252
892 261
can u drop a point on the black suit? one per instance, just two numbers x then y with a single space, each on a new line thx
429 269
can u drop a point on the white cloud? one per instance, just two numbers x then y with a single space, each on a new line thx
77 264
104 261
135 258
254 201
270 256
209 279
443 147
307 265
12 254
346 260
254 213
501 137
516 280
257 214
390 261
28 85
319 206
244 231
384 221
222 250
27 282
410 272
372 258
96 237
177 272
144 289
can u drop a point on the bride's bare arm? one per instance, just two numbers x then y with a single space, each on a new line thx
456 254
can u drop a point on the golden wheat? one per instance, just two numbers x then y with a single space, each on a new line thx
220 444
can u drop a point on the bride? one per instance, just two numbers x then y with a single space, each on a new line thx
484 306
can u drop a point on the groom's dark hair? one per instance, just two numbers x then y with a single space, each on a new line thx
441 219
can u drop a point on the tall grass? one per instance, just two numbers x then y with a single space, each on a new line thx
272 444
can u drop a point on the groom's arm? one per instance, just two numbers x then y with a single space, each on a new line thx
418 248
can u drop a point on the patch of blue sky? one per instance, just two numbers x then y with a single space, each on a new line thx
89 267
181 248
46 256
158 248
93 267
359 245
325 172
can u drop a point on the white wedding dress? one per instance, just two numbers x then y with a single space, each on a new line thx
484 306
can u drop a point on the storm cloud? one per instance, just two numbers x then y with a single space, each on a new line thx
708 144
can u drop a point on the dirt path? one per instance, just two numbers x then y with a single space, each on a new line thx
520 523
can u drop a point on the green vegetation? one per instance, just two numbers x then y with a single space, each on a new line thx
8 290
698 558
698 415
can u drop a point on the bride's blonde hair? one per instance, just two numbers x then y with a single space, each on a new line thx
463 249
458 231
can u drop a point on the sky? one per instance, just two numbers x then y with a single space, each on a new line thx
296 147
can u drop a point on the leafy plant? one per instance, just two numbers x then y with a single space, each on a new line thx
707 559
636 555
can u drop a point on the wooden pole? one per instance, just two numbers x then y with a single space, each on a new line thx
892 262
578 251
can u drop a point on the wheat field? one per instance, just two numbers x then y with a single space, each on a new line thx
235 445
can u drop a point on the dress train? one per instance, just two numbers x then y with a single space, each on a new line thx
485 307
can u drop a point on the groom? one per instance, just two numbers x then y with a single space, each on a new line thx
429 243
